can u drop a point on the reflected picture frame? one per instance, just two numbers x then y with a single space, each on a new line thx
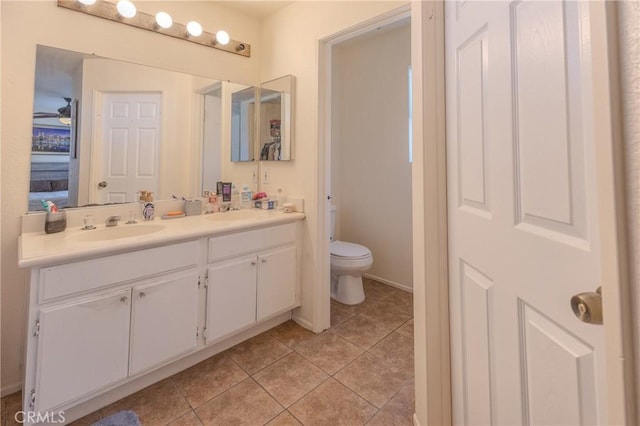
46 139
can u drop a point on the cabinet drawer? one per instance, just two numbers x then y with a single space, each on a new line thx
87 275
231 245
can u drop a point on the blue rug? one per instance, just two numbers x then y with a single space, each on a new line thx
121 418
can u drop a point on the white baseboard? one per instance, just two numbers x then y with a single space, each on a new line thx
415 420
8 390
390 283
302 322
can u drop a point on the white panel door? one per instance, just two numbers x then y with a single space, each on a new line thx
76 337
131 124
164 321
523 229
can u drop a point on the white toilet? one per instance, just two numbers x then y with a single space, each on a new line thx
348 262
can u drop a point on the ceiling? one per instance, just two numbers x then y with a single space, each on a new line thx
54 78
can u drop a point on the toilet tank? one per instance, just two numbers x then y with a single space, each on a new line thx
332 212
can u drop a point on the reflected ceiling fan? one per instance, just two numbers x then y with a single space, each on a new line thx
63 114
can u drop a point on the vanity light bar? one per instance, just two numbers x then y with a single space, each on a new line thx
107 10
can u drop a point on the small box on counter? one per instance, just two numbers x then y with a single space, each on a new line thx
192 207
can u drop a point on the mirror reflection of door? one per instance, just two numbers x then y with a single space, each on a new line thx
211 139
243 110
131 124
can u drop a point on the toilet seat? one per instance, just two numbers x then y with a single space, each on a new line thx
344 250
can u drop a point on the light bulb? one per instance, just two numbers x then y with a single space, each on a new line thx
163 19
194 29
126 9
87 2
222 37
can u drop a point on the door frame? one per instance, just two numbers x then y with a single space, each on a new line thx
429 188
321 317
612 221
430 260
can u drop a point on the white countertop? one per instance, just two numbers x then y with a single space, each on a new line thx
39 249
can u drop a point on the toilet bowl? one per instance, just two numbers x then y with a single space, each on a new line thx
348 262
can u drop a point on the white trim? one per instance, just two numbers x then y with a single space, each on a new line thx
616 297
429 186
321 292
416 422
402 287
10 389
302 322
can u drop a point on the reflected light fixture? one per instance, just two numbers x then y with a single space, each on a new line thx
124 12
163 19
126 9
222 37
65 120
194 29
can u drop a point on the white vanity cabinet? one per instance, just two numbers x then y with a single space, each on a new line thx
75 338
252 276
97 322
138 311
164 320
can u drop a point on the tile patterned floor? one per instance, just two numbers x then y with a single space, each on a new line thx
358 372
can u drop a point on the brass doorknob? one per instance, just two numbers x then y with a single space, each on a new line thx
587 307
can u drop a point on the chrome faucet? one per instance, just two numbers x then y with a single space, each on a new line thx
112 221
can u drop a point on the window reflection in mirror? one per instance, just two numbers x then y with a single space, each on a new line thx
275 128
243 112
179 153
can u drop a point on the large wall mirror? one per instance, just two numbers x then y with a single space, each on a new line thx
104 129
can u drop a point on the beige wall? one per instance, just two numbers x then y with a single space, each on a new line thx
28 23
291 40
629 13
371 173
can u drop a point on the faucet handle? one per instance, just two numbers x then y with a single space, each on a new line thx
112 220
88 223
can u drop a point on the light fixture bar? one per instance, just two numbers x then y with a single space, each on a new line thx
107 10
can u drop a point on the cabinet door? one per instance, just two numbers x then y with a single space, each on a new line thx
82 346
276 282
164 319
231 300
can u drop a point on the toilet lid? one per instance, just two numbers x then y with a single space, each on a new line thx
344 249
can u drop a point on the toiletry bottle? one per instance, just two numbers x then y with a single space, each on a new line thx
245 197
281 198
235 196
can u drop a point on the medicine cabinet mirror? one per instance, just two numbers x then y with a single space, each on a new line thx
92 160
275 137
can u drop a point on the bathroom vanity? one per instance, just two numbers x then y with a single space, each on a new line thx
106 309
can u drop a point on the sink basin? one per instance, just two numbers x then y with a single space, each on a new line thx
237 215
117 232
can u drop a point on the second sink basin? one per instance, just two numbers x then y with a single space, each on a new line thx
117 232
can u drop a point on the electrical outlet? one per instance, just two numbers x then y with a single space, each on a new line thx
265 176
